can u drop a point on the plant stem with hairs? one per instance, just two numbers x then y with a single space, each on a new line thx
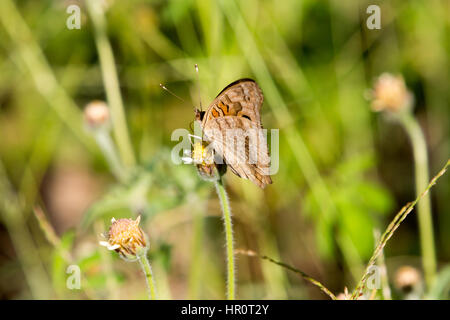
130 241
419 146
111 83
226 211
147 269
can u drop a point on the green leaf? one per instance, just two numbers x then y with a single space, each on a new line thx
325 239
375 198
359 226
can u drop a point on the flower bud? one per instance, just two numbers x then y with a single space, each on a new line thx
407 278
344 295
126 238
96 114
390 93
341 296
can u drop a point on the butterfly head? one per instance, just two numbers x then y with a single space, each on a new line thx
199 114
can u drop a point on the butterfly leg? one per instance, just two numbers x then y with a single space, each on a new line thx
194 136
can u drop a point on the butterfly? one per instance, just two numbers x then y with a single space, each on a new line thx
232 127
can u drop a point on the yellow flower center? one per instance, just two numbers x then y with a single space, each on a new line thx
201 154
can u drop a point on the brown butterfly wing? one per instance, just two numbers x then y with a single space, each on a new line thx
243 146
237 108
242 98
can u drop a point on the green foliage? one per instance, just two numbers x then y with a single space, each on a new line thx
359 206
60 262
441 288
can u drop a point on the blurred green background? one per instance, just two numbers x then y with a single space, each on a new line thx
344 170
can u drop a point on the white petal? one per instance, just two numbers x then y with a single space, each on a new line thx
104 243
186 160
114 247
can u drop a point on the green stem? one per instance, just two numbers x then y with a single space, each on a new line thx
415 133
231 285
147 269
111 82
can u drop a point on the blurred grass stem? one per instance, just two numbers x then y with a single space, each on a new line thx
105 257
231 282
313 281
395 223
284 118
111 82
197 253
28 54
385 289
419 146
108 149
11 210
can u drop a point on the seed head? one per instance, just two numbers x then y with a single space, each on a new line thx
127 238
390 93
407 278
96 114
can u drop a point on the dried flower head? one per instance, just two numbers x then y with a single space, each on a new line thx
96 114
127 238
406 278
390 93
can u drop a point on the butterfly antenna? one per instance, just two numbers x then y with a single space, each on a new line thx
164 87
198 86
